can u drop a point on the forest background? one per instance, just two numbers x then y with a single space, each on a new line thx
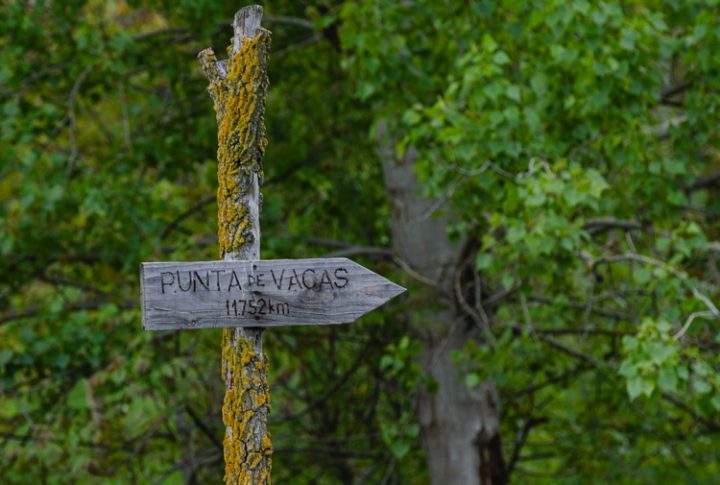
542 176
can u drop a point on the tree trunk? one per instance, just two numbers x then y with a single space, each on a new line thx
460 426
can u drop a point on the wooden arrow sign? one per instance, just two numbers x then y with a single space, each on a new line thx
266 293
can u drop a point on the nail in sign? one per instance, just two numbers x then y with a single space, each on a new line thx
265 293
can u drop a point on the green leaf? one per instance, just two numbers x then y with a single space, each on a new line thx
77 398
513 92
539 83
648 386
536 199
627 369
660 352
386 361
515 234
642 275
634 387
682 372
667 379
702 369
507 281
630 343
501 58
5 356
400 449
472 379
701 386
411 117
483 261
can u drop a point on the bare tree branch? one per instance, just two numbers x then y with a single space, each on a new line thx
90 305
523 434
705 182
602 224
72 102
204 428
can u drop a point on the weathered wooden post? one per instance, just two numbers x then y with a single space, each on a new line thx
241 292
238 88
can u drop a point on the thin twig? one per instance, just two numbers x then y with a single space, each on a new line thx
377 253
441 201
705 181
601 224
572 331
550 381
280 19
204 428
526 314
706 300
299 45
523 434
712 425
479 318
414 274
712 314
72 101
175 223
572 352
91 305
616 315
690 319
70 283
127 133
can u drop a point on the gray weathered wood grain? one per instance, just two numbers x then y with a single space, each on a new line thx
259 293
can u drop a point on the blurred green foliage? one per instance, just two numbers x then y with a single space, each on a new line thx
107 159
576 143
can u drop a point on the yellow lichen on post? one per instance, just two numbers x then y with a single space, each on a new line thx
239 100
238 88
247 446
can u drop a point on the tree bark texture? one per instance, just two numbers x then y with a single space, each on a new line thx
460 426
238 87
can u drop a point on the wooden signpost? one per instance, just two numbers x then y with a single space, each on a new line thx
265 293
241 293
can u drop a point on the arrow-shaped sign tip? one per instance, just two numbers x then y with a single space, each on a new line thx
395 290
383 290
